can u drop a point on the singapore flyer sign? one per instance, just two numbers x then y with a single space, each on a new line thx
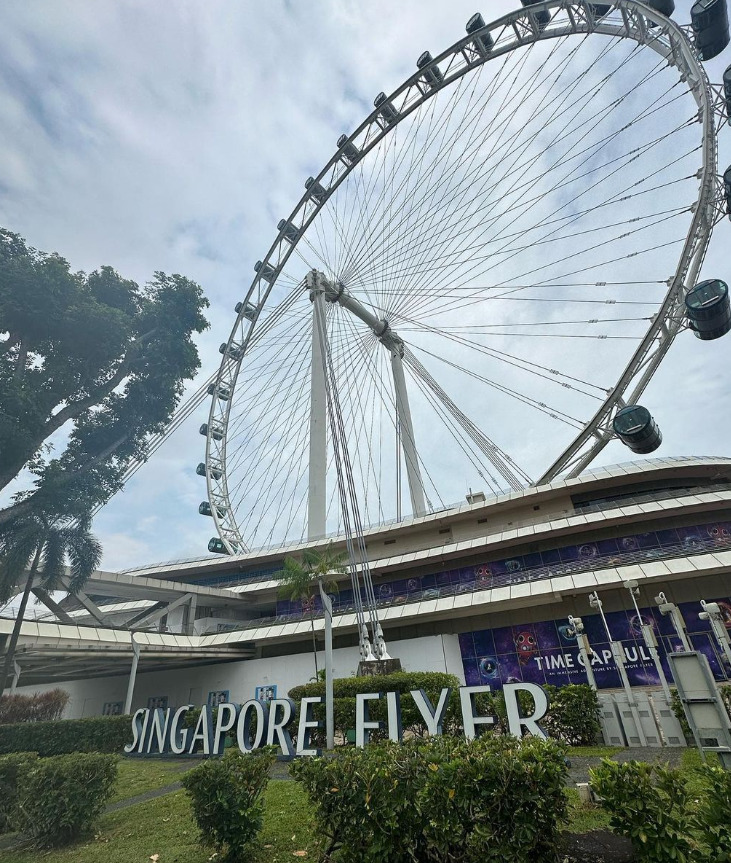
255 724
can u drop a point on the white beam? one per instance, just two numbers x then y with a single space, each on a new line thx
317 499
403 412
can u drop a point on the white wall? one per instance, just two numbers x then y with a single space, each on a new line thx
192 685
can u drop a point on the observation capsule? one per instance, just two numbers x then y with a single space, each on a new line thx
216 431
316 190
482 44
727 90
387 110
204 508
216 546
266 271
247 308
234 351
727 189
221 392
350 151
543 16
709 309
433 76
636 428
664 7
290 232
215 472
599 10
709 20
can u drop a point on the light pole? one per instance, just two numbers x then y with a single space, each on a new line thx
649 635
618 654
713 614
672 610
585 650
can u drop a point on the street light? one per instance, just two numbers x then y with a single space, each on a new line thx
585 651
713 614
649 635
618 654
673 612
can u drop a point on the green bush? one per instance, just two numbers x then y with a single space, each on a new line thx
494 799
714 813
226 795
650 806
59 798
573 715
98 734
11 767
677 707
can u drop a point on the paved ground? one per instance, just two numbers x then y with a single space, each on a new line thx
580 765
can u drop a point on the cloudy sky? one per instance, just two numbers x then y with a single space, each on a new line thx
174 135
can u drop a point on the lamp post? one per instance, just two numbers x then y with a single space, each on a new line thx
713 614
585 650
673 612
618 654
649 636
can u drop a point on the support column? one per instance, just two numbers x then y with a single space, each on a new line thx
316 499
132 675
403 413
16 677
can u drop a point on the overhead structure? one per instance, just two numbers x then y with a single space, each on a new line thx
491 267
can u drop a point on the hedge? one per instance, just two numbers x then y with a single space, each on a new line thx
572 717
39 707
97 734
493 799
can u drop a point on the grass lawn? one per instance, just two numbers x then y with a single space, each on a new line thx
139 775
164 826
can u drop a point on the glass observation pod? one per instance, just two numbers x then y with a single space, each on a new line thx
216 431
289 231
223 393
482 44
386 109
543 16
434 76
204 508
727 186
235 351
215 472
664 7
709 20
316 190
248 309
216 546
709 309
636 428
350 151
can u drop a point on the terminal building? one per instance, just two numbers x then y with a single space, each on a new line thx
483 591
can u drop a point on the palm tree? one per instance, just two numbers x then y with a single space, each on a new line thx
42 545
302 578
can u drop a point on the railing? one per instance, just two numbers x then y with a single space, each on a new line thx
685 549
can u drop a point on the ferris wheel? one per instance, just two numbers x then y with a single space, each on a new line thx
477 288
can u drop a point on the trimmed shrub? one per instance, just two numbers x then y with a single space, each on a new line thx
494 799
39 707
98 734
573 715
60 798
714 813
226 795
11 767
650 806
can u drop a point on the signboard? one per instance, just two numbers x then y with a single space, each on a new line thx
158 731
547 653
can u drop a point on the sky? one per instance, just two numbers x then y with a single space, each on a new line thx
174 135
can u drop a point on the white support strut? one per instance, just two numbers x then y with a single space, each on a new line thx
316 498
336 293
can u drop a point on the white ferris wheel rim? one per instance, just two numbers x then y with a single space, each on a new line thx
634 20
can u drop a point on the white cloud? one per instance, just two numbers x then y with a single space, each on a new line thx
151 135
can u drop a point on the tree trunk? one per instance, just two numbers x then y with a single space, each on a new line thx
10 651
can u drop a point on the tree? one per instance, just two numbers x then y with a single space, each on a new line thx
94 355
301 579
42 547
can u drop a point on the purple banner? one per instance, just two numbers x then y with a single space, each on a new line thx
547 653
